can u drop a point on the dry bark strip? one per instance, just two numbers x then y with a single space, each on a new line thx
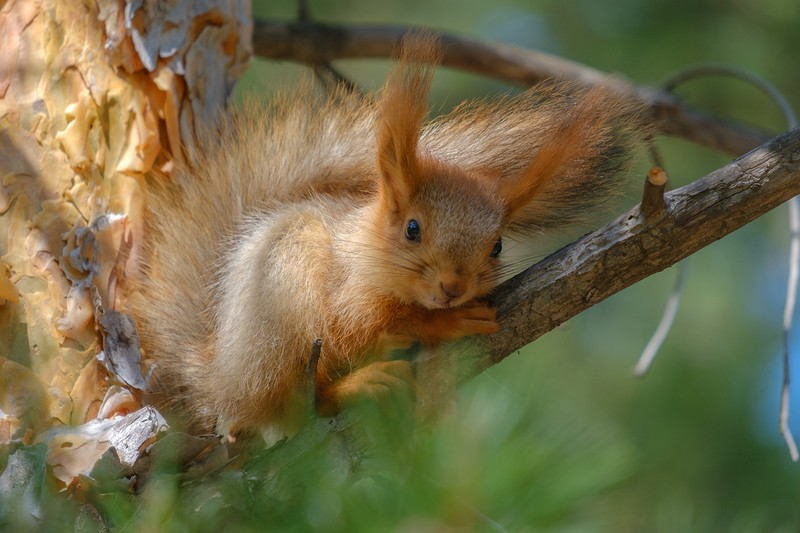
314 43
636 246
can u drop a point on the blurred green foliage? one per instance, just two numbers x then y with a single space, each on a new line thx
560 437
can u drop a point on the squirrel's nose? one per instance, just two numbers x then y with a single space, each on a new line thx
453 288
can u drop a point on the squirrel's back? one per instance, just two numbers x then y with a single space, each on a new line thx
269 153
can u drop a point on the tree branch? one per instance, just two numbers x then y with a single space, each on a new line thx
641 242
314 43
634 247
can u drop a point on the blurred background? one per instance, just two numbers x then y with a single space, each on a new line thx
560 436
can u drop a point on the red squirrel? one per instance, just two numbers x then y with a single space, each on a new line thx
352 219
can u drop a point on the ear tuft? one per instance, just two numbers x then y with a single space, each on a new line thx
403 108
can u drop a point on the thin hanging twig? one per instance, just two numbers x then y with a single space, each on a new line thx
664 326
788 316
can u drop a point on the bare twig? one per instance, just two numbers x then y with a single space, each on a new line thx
311 375
315 43
653 195
655 153
631 248
701 71
302 10
330 78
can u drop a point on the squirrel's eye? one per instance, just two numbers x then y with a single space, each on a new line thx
412 231
498 247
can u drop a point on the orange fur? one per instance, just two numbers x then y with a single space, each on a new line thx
295 226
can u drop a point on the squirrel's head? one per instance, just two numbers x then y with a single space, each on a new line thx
439 228
439 235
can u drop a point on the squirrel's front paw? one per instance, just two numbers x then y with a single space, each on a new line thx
442 325
476 320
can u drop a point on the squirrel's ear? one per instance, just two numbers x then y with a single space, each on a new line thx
403 108
570 150
397 167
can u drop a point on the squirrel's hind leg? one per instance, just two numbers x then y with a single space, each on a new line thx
390 384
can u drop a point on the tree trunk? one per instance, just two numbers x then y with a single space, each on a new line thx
93 96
